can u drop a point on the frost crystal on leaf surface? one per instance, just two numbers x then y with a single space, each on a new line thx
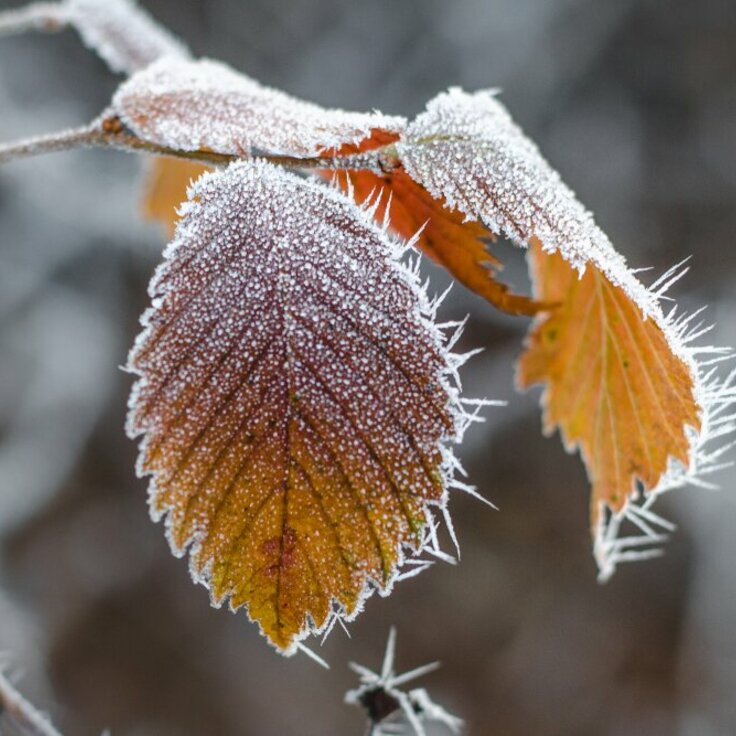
124 35
296 399
466 149
207 105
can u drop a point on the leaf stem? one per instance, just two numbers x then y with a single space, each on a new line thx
108 132
22 712
47 17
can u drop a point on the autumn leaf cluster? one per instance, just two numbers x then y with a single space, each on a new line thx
297 399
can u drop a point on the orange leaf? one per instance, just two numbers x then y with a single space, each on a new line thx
446 238
294 399
614 387
165 188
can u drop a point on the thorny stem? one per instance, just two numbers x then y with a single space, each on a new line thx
22 712
47 17
108 132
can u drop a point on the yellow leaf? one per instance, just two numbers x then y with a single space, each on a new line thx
613 386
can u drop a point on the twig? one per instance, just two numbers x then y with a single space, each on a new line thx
47 17
109 133
22 712
63 141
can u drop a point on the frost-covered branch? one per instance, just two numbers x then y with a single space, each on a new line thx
47 17
124 35
108 133
23 713
52 143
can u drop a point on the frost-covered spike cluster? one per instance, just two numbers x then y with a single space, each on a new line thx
205 104
383 700
124 35
294 384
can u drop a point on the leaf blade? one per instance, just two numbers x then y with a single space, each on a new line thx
294 400
467 149
614 387
122 33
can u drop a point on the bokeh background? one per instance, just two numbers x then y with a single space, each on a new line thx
635 102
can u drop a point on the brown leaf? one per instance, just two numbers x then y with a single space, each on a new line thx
294 400
613 385
165 188
447 238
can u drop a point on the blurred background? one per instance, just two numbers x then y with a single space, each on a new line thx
634 101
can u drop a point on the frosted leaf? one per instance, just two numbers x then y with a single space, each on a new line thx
467 149
124 35
296 400
208 105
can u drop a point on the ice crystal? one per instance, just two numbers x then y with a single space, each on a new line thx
124 35
205 104
380 694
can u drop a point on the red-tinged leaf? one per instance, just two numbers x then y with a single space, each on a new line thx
379 138
446 237
294 399
206 105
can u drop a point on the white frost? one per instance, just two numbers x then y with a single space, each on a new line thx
415 705
21 712
207 104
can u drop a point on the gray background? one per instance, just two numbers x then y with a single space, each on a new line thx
635 102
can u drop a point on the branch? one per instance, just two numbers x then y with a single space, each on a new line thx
46 17
109 133
25 715
63 141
